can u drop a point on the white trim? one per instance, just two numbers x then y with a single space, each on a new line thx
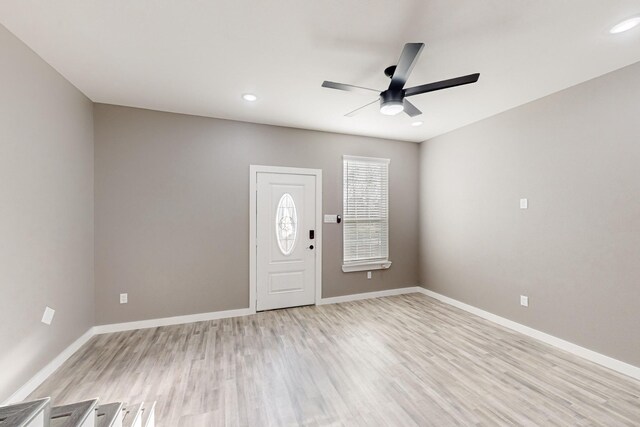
49 369
44 373
364 266
367 159
585 353
368 295
167 321
253 217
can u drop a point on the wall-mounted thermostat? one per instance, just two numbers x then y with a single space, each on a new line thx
332 219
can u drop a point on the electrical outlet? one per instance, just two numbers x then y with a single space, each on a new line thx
47 317
524 204
524 301
124 298
368 275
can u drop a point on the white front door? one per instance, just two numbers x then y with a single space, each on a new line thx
285 239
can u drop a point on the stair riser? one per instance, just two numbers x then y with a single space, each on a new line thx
39 413
151 422
39 421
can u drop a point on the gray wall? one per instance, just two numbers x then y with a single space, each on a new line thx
575 252
172 209
46 213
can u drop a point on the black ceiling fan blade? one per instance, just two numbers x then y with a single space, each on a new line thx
410 109
348 88
407 61
444 84
357 110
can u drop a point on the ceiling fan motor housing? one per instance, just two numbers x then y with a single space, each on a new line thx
392 96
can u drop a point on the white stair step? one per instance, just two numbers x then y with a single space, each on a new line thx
79 414
109 415
38 413
26 414
149 414
132 416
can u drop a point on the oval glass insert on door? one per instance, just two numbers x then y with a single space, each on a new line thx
286 224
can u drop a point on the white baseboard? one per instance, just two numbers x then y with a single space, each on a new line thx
367 295
166 321
601 359
190 318
585 353
45 372
49 369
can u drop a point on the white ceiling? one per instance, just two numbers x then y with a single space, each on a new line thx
199 56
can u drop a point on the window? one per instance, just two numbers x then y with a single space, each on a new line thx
366 213
286 224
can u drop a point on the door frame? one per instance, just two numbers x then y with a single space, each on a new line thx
254 170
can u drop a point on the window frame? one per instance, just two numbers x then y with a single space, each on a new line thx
364 264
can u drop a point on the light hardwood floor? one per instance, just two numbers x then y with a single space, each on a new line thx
400 361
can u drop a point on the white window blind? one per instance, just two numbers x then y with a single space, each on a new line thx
366 213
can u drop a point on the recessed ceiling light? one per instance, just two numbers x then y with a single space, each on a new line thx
625 25
416 124
249 97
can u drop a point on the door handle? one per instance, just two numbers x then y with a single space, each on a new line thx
310 247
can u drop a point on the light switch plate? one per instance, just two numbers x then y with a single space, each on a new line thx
524 204
124 298
524 301
47 317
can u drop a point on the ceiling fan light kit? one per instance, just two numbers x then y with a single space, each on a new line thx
393 100
391 108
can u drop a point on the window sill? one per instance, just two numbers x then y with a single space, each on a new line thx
366 266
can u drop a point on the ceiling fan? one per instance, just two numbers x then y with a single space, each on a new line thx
394 100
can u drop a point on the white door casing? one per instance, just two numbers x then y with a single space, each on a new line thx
286 259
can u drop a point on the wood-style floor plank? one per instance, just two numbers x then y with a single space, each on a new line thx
404 361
